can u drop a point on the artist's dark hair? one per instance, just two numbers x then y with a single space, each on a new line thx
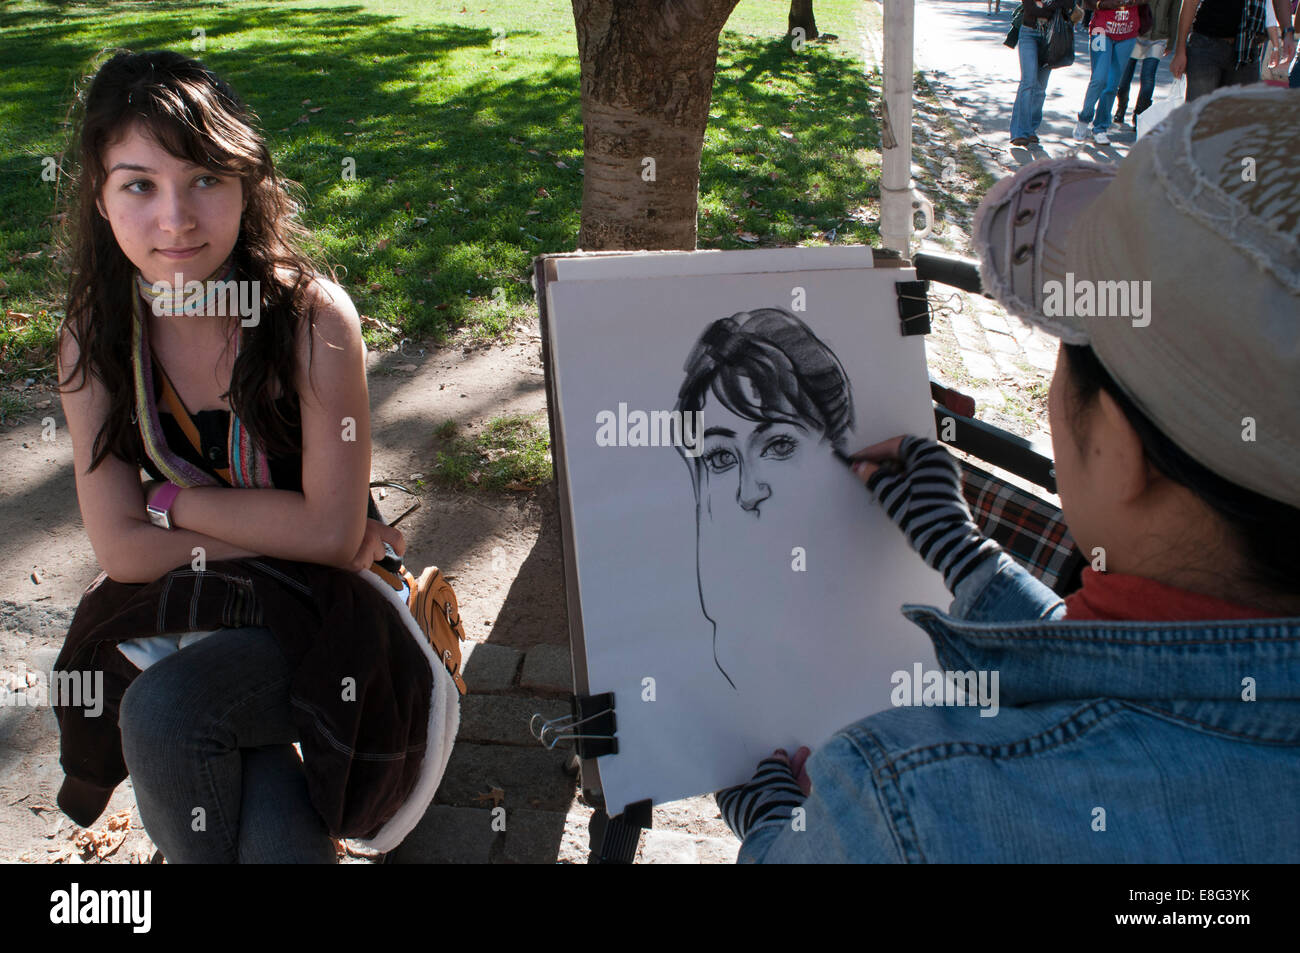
796 378
195 116
1264 530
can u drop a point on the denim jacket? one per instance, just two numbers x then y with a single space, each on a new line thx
1113 742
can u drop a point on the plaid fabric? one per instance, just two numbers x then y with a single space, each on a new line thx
1032 531
1249 29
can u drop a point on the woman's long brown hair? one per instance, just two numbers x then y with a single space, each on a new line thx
196 117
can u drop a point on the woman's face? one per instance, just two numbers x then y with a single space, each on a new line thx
753 465
157 203
758 486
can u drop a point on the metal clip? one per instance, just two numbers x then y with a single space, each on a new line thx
558 728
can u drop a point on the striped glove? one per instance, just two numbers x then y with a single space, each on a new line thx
924 498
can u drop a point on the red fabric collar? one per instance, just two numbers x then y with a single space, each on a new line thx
1116 596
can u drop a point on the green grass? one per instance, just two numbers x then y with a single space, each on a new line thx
457 145
512 453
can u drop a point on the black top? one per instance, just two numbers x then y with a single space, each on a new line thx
1219 17
213 427
1042 10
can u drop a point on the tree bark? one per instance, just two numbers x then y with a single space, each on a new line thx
801 14
647 79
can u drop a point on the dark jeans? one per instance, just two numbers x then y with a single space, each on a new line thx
208 739
1146 86
1212 64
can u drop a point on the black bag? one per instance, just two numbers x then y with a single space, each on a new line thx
1017 18
1056 43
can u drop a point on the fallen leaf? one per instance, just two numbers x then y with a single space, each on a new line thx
101 843
519 487
495 795
315 109
747 237
376 286
561 165
382 244
533 152
543 193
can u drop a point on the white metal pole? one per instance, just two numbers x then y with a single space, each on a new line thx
896 129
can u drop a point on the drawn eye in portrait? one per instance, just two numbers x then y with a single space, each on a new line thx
772 405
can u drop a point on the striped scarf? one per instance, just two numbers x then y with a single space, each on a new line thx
248 466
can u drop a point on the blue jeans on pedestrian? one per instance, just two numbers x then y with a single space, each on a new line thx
207 734
1146 86
1107 67
1027 111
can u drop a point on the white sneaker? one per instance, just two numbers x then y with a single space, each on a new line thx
1101 138
1081 130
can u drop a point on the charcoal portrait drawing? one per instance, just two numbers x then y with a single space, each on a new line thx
774 406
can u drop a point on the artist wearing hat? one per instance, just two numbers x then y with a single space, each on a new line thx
1154 714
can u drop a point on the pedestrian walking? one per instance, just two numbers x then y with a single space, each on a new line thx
1111 38
1220 42
1150 48
1027 110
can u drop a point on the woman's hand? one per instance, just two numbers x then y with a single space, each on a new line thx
918 485
797 767
372 545
1178 65
769 797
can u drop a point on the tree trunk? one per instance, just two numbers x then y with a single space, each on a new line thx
647 78
801 14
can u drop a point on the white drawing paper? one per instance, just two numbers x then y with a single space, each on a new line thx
739 589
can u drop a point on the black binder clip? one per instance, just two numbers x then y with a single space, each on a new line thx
914 306
594 714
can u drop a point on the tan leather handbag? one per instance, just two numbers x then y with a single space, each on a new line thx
430 598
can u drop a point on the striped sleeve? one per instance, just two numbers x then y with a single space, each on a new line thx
767 800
